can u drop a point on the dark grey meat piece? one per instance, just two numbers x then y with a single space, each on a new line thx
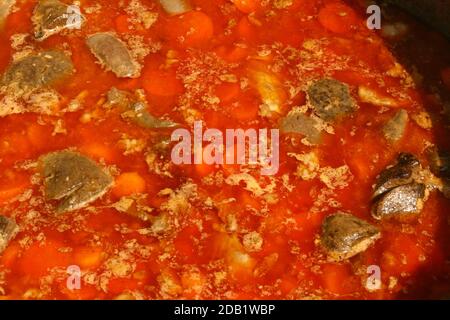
395 128
330 99
37 70
74 179
53 16
344 236
144 119
136 111
116 97
402 202
402 189
8 230
113 55
403 172
297 122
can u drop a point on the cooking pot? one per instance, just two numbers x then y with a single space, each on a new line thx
436 13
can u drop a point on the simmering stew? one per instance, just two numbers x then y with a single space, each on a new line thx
93 205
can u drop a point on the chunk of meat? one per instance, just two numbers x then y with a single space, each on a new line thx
395 128
136 110
8 230
269 88
402 189
403 202
53 16
118 97
74 179
139 114
5 9
37 70
405 171
330 99
298 122
113 55
174 7
368 95
344 236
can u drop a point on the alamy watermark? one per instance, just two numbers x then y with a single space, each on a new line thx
236 146
373 281
73 16
374 20
73 281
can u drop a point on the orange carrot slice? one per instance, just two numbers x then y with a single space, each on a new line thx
121 23
246 6
129 183
337 17
162 83
227 92
191 29
98 151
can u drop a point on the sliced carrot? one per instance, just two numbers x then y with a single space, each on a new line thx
129 183
288 283
227 92
237 54
204 169
11 192
245 111
445 74
337 17
10 254
160 82
88 257
245 29
213 119
360 166
15 143
403 254
246 6
356 157
233 54
122 24
38 135
191 29
247 200
333 276
39 258
185 244
13 184
307 225
98 151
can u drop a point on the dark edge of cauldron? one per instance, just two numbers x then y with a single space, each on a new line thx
435 13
